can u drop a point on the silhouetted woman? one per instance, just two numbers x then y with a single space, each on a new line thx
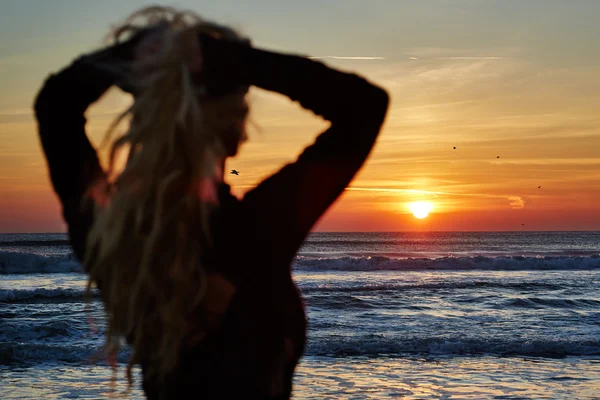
196 280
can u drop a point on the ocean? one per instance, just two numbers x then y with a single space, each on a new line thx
427 315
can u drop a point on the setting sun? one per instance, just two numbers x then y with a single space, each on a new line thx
420 209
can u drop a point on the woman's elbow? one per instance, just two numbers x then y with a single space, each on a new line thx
378 101
43 99
371 102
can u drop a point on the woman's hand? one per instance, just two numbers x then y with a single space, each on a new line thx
116 60
151 44
222 65
214 63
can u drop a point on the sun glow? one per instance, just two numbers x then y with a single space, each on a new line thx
420 209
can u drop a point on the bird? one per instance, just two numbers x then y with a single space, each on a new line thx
539 187
454 147
522 224
497 156
234 172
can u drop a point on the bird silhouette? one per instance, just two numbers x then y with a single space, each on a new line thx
234 172
454 147
539 187
497 156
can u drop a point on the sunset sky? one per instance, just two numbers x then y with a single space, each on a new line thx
516 79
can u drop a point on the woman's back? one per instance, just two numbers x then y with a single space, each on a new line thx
253 323
246 334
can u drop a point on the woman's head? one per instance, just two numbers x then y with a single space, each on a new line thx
166 73
147 244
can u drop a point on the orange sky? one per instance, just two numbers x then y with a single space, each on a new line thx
520 82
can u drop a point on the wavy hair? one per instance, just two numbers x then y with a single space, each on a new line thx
151 229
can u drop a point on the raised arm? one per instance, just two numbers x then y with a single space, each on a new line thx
285 206
72 161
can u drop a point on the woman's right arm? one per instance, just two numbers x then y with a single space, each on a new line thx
72 161
286 205
60 108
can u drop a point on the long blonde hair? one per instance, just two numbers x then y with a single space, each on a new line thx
146 245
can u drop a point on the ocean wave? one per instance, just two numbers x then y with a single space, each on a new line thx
27 263
515 263
538 303
342 302
34 243
42 294
61 329
452 285
432 346
12 262
332 295
371 346
36 353
347 302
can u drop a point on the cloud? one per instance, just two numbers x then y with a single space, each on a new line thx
426 192
15 112
442 80
516 202
549 161
349 58
391 190
476 58
465 53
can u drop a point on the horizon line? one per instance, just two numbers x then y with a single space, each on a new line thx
413 231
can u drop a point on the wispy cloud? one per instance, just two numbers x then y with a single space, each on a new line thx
516 202
15 112
391 190
476 58
549 161
450 80
460 52
427 192
349 58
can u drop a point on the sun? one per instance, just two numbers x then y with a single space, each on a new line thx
420 209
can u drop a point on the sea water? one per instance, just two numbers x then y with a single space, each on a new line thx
511 315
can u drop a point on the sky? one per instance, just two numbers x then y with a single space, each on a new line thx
510 78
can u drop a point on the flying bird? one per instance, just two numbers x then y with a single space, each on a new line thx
454 147
497 156
234 172
539 187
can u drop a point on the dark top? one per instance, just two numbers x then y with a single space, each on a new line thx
255 238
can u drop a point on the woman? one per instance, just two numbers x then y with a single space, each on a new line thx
197 281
